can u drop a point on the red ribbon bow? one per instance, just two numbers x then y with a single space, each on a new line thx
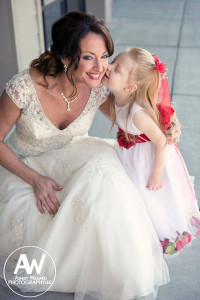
164 100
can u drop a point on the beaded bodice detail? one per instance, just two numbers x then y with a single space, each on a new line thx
34 132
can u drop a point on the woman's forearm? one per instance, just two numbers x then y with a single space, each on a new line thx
10 161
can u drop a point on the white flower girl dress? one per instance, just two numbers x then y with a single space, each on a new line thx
173 209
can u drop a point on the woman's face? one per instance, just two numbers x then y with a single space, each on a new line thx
93 61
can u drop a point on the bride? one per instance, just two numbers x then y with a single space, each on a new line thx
64 191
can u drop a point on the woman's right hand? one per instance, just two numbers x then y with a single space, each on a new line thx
44 191
173 133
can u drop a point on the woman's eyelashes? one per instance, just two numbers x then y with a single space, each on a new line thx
105 56
88 57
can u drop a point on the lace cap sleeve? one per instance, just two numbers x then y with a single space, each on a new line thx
17 88
102 94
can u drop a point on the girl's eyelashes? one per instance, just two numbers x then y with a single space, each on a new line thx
105 56
116 68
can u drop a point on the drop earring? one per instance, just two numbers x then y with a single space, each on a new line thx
65 68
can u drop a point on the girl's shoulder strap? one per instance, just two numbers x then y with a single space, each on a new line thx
135 108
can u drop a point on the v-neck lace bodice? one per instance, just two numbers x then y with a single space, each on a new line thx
34 132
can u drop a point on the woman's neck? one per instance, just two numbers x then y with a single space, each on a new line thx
66 86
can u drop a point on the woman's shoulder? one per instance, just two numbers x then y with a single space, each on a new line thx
101 94
102 89
17 87
38 78
18 78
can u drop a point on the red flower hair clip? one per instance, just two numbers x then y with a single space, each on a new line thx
160 66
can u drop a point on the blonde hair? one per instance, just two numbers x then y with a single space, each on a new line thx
147 80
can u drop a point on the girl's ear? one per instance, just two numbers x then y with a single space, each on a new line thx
130 89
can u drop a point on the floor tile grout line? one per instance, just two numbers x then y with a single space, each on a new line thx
160 46
117 19
187 95
178 47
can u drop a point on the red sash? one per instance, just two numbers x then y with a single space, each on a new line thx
134 139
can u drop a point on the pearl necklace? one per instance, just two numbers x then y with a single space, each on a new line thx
66 100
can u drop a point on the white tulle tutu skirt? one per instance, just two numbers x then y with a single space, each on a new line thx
173 209
101 240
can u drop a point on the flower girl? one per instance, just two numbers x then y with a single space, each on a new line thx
141 108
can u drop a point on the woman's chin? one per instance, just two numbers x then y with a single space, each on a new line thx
94 83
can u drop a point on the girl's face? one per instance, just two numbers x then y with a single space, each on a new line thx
117 77
93 61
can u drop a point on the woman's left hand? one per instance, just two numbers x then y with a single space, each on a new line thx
173 133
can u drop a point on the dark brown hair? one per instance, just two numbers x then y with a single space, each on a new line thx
67 33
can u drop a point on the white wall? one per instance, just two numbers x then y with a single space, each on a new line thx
28 29
8 58
101 8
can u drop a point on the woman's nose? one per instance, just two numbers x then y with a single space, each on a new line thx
98 66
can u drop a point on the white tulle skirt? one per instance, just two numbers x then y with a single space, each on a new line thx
101 240
173 209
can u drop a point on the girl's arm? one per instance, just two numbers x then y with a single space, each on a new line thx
43 186
146 124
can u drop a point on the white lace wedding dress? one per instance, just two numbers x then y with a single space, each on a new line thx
101 239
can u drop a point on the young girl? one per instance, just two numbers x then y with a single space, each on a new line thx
141 108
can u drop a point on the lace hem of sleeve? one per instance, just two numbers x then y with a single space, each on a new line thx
102 95
16 89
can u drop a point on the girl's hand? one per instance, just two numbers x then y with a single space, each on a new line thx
44 191
155 182
173 133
